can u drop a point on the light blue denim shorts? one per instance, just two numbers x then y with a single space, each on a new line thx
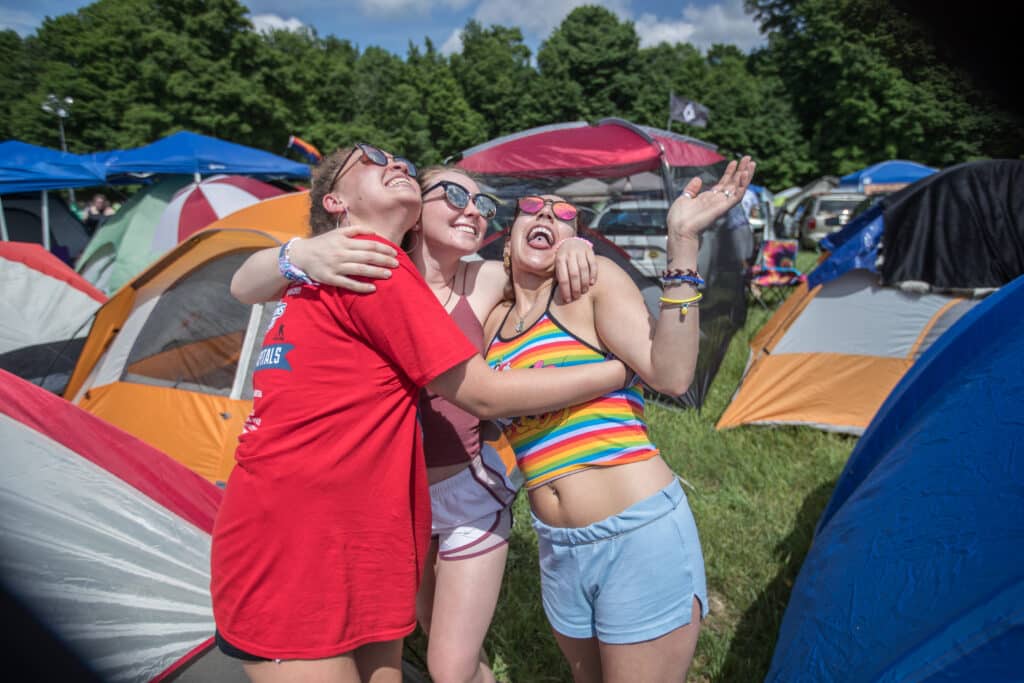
628 578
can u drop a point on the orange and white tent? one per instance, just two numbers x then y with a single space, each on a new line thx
170 355
829 356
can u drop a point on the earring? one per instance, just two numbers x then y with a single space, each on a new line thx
506 258
341 214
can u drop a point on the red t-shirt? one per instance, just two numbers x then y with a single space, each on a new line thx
320 541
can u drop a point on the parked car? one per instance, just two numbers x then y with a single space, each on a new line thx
638 227
822 214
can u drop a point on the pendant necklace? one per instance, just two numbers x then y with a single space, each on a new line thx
518 327
451 287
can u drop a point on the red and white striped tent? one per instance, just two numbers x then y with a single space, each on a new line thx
45 314
103 539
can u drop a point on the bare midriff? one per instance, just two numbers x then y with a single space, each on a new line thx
593 494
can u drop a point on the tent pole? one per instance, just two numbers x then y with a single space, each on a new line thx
46 220
249 341
3 223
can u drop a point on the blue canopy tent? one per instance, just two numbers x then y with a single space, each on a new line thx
30 168
916 571
197 155
885 173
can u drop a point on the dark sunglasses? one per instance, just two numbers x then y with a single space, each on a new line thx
374 155
459 197
532 205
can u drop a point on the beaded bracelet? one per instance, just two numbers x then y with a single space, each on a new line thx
575 237
289 270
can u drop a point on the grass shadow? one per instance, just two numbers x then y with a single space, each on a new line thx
753 642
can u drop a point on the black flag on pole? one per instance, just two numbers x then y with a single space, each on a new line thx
687 111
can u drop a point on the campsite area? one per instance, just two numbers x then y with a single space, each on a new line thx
850 444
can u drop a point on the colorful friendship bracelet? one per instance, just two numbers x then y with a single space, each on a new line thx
288 269
676 275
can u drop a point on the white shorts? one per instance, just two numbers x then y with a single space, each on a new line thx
471 511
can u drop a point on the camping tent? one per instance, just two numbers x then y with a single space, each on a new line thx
27 168
169 358
198 155
121 247
915 572
45 314
885 176
158 217
104 542
833 352
25 215
543 159
959 229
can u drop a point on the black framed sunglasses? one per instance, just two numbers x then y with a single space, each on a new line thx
373 155
459 197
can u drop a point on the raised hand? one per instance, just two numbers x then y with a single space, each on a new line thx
575 267
337 256
693 211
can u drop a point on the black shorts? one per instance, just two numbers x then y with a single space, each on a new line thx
232 651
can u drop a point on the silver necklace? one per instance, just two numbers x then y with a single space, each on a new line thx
518 327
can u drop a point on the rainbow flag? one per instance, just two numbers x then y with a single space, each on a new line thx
304 148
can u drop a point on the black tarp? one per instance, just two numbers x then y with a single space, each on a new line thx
962 228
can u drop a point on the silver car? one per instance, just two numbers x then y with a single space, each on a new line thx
638 227
822 214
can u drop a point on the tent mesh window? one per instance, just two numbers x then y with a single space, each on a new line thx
192 338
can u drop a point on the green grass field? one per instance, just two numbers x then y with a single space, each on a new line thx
756 493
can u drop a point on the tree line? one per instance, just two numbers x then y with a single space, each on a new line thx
840 84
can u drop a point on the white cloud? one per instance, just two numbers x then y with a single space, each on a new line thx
453 44
265 23
537 17
21 22
401 8
724 22
703 26
653 30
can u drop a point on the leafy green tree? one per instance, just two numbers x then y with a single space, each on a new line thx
588 66
497 79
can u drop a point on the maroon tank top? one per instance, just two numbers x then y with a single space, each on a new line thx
450 434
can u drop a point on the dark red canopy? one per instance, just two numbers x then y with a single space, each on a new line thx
611 148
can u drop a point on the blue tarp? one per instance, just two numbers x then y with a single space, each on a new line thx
29 168
916 572
893 171
190 153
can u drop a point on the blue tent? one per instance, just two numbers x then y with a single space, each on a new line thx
29 168
893 171
916 572
193 154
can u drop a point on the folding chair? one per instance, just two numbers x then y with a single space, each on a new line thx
774 273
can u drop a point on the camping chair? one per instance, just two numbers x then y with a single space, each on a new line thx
774 273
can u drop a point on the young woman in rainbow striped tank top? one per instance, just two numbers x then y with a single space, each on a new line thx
622 574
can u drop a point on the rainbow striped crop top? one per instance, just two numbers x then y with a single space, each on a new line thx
609 430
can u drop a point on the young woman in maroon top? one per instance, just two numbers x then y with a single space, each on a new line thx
460 589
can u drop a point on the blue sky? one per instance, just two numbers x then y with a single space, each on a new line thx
392 24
